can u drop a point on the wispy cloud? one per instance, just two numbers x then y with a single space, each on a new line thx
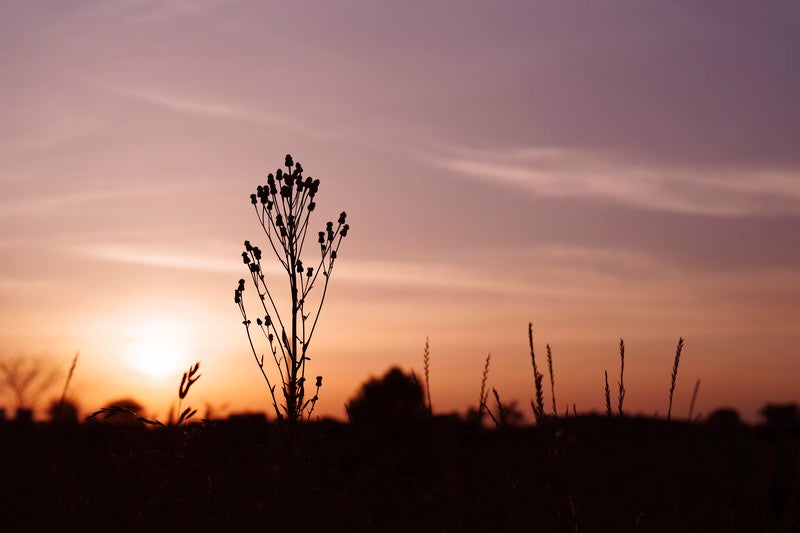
573 173
201 106
42 204
141 11
190 104
137 255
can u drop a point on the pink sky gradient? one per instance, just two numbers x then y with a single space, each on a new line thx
603 169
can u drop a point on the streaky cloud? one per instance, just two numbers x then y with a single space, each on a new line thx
708 191
120 253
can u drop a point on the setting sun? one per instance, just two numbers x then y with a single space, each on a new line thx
157 350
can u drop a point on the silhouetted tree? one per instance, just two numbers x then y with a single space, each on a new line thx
781 416
25 379
396 399
724 418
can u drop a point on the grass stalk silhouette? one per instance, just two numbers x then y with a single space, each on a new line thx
552 379
484 394
538 404
426 359
60 411
674 376
189 378
621 377
608 397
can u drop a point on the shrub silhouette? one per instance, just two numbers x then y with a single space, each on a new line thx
781 416
395 400
724 418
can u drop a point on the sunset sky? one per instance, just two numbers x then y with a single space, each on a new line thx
602 169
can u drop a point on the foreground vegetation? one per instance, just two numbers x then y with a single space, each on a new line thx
433 474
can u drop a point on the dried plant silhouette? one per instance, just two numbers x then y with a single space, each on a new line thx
621 383
426 362
674 375
283 207
189 379
58 415
538 405
552 379
131 409
125 412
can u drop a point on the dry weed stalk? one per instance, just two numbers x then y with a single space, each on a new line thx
426 356
621 375
484 393
189 378
60 411
538 405
608 397
113 410
675 363
552 380
283 207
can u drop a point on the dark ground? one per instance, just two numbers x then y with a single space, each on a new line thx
583 474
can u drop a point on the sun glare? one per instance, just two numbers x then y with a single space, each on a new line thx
157 350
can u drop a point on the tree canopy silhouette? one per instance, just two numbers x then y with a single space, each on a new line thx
395 399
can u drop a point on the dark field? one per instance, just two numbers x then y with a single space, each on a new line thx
578 474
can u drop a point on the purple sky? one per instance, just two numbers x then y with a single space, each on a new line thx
603 169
